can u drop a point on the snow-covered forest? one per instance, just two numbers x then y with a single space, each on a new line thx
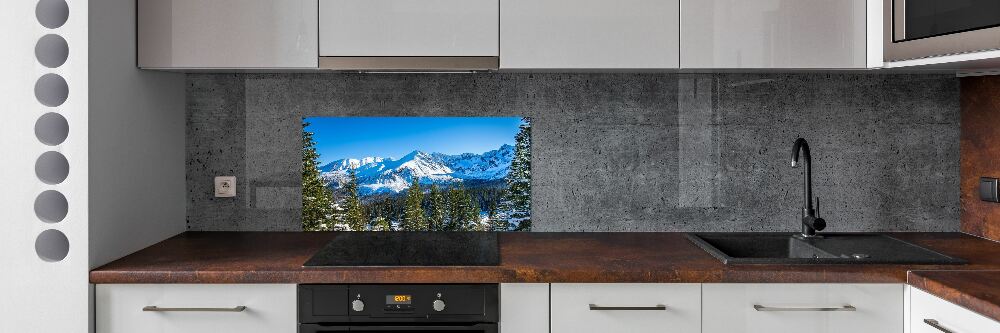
420 191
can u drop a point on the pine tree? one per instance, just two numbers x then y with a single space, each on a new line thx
413 214
472 214
496 223
317 199
355 217
517 201
456 209
381 224
338 216
439 210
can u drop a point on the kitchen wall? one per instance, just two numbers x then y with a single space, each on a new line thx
980 151
616 152
136 141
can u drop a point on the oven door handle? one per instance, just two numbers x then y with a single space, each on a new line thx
402 327
485 328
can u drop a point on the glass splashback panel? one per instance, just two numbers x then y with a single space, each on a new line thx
416 174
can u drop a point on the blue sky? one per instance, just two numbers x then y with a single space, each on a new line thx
393 137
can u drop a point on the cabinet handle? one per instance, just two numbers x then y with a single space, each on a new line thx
154 308
935 324
759 307
595 307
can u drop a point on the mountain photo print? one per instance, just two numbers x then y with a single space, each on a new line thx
416 174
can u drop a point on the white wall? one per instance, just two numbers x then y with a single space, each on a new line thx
38 295
137 187
124 187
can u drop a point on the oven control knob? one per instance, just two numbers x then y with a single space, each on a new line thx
358 305
438 305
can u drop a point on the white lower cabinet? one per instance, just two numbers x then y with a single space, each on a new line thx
930 314
803 308
196 308
524 308
569 308
625 307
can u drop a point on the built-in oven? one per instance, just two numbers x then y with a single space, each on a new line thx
385 308
916 29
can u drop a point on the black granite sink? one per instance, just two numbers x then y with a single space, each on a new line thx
834 248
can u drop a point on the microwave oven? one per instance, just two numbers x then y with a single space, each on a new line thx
915 29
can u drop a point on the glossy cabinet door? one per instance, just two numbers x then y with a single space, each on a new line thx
626 307
196 308
227 34
524 308
927 310
404 28
774 34
589 34
803 308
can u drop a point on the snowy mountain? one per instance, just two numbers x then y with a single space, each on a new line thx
386 175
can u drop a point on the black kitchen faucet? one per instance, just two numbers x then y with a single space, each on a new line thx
810 221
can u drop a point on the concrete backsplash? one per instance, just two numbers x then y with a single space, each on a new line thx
615 152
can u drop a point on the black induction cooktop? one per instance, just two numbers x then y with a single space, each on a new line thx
372 248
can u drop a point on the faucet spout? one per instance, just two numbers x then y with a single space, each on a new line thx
810 222
802 146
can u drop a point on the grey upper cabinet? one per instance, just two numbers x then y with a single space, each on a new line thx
406 28
779 34
509 34
220 34
589 34
423 35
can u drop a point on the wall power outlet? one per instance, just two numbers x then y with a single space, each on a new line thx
225 186
988 189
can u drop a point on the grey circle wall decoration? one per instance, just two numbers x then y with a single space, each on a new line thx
51 129
51 206
51 90
52 245
52 167
51 51
52 13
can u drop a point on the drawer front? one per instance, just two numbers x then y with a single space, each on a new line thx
734 308
269 308
946 315
640 308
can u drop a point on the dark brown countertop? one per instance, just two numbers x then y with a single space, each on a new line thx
978 291
277 257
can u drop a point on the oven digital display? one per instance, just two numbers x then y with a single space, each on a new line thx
398 299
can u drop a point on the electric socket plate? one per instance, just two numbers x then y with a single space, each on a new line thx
225 186
988 189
